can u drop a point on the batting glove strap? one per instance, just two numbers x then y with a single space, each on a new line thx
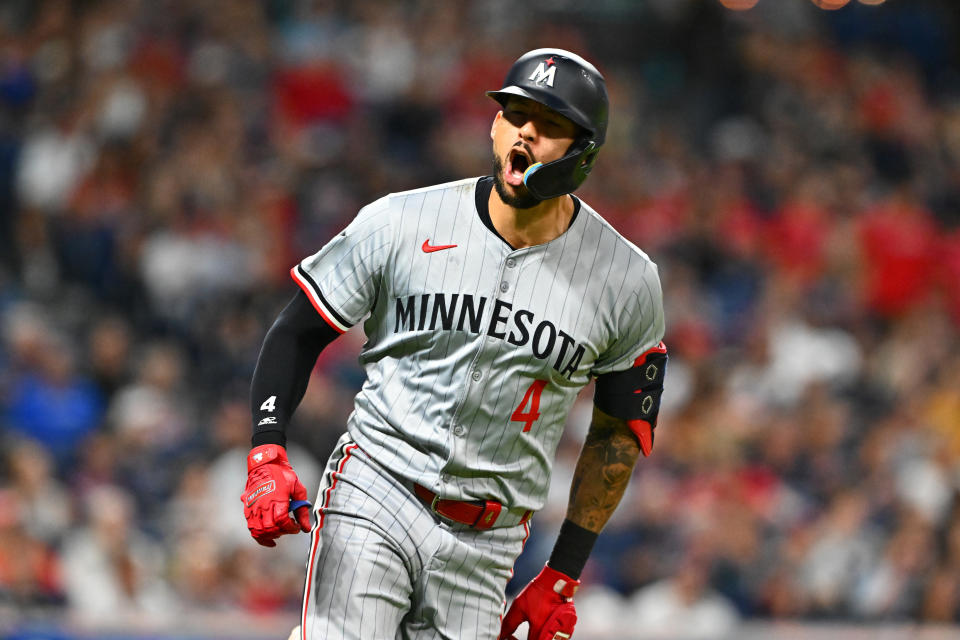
562 584
265 453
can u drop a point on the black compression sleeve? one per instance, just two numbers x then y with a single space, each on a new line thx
286 359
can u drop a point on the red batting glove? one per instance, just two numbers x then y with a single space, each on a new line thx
547 604
271 485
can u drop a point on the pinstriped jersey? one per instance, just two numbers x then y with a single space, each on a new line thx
476 351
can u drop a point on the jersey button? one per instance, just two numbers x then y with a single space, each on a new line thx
459 430
476 375
504 287
511 263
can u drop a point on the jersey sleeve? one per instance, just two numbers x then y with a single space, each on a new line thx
639 326
342 279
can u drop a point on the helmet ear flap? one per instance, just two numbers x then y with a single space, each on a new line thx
562 176
588 158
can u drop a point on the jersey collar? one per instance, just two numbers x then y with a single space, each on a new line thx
484 187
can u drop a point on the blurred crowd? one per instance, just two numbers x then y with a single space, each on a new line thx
795 174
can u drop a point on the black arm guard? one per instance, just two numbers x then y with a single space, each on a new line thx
286 359
634 395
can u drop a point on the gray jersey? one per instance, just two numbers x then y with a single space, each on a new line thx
477 351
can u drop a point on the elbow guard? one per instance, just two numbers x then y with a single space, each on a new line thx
633 395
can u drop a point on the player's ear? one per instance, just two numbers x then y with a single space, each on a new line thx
493 127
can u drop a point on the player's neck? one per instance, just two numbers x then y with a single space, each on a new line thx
529 227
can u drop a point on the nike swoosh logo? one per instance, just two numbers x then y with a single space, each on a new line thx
429 248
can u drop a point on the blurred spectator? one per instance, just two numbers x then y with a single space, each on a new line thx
112 573
29 567
893 588
898 240
150 413
108 354
682 605
53 160
840 548
49 399
45 508
150 419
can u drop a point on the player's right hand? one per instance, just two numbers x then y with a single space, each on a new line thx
271 485
547 604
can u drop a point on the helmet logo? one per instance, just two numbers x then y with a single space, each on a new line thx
545 72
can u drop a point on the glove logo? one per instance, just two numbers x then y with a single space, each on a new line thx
257 457
263 489
560 635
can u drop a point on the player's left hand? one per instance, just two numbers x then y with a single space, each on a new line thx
547 605
272 492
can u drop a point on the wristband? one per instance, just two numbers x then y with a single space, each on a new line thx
572 549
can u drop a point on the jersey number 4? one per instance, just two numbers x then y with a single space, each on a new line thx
531 399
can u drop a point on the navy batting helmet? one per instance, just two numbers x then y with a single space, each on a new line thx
574 88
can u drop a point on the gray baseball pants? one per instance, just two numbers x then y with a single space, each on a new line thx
382 566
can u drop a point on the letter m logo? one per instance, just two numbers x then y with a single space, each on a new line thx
543 74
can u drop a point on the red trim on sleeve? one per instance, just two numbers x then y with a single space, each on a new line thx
313 300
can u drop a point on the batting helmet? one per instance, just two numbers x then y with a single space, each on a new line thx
574 88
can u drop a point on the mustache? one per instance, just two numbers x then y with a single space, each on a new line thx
526 147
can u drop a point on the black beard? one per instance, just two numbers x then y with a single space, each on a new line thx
522 200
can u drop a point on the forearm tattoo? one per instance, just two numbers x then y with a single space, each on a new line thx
603 471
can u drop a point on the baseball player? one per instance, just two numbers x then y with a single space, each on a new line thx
488 303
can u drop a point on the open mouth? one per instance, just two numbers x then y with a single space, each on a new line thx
517 163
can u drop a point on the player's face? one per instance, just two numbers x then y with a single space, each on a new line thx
523 133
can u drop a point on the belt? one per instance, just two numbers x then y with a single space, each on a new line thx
480 514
